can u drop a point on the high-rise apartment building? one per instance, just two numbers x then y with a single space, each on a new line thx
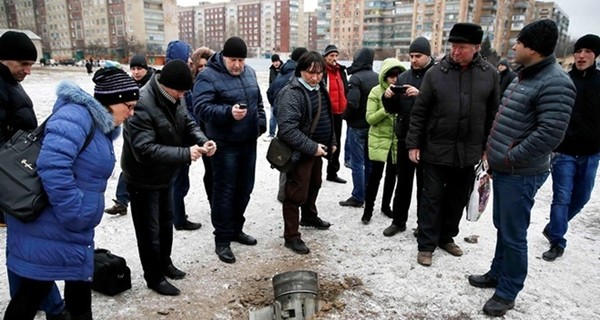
187 25
550 10
105 29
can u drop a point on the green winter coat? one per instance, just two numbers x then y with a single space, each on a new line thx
381 131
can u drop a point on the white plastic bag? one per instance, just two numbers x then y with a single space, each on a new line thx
482 189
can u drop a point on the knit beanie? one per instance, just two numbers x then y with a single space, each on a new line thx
176 75
138 61
589 41
540 36
465 32
420 45
177 49
275 57
114 86
504 62
297 53
235 47
329 49
17 46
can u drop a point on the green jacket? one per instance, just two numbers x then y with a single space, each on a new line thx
382 138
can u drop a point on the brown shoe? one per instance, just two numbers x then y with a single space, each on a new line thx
424 258
452 248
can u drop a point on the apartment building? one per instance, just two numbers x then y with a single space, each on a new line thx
187 26
99 28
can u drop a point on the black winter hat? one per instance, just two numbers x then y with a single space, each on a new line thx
275 57
235 47
297 53
329 49
589 41
176 75
138 61
114 86
465 32
504 62
540 36
420 45
16 45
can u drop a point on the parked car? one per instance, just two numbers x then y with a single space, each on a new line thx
67 62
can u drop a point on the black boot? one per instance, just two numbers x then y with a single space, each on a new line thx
85 316
367 214
64 315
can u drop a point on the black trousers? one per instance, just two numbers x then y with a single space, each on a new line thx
373 181
26 302
446 191
152 215
404 185
333 165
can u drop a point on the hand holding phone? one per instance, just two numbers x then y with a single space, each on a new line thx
242 106
398 89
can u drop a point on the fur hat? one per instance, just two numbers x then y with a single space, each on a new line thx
465 32
297 53
589 41
420 45
17 46
176 75
114 86
540 36
138 61
329 49
235 47
177 49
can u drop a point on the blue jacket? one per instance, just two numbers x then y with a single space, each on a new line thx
216 91
59 245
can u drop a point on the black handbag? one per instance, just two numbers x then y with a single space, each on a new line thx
280 155
111 273
21 192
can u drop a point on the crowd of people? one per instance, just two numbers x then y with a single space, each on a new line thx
435 121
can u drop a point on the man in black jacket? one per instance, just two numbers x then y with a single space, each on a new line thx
506 75
448 125
575 162
155 145
402 103
360 84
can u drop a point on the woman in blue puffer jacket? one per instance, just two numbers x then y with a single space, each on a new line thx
59 245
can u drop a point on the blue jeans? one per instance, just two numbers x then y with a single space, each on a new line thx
233 181
572 184
180 188
356 149
121 194
272 124
52 304
513 199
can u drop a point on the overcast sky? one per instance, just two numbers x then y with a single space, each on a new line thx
584 15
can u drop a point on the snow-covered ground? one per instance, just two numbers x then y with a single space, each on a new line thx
393 285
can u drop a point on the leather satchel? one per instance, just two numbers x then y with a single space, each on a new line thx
280 155
21 192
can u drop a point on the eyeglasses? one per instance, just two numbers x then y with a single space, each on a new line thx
129 106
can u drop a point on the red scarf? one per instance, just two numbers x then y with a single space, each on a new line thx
336 90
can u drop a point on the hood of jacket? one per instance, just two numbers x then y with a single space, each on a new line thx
288 67
386 66
363 59
69 92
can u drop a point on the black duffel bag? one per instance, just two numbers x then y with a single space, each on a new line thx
111 273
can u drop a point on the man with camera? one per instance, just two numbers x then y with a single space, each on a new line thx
227 99
400 99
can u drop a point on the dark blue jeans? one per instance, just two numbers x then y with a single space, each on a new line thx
121 194
572 184
180 188
51 304
233 181
357 149
513 199
272 124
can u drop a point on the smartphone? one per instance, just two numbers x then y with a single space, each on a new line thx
399 89
242 105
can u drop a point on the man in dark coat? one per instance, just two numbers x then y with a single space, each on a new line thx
17 55
575 162
227 98
530 123
402 104
506 75
361 82
156 143
448 125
